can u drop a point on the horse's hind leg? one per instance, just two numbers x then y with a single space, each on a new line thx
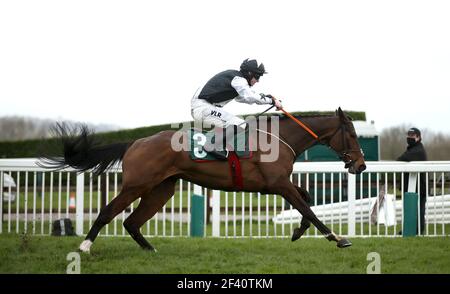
290 193
148 206
107 214
305 223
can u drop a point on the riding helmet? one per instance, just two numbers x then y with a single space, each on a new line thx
253 67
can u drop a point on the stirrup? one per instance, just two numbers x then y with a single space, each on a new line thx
222 155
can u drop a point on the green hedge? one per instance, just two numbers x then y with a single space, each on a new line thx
30 148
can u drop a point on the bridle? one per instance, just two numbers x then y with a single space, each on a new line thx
344 155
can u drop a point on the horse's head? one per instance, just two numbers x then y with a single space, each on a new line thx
345 142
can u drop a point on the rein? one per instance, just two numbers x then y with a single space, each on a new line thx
344 155
279 139
259 114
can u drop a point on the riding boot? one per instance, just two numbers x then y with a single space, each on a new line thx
216 148
229 135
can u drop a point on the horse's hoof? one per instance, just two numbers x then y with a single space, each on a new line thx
150 249
85 246
296 235
343 243
84 251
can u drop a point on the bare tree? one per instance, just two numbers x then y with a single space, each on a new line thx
14 128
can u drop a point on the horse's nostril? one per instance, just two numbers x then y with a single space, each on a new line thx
362 167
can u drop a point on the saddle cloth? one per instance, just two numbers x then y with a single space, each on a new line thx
197 139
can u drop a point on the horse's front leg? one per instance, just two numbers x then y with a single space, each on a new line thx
305 224
291 194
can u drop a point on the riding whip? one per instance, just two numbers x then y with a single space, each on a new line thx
299 123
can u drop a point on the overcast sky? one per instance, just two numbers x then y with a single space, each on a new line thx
138 63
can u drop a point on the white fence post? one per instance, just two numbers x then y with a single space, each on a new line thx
412 181
198 190
216 213
79 212
351 194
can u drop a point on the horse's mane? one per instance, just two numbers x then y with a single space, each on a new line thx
300 116
282 117
309 116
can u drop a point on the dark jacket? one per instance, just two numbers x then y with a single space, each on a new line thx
415 152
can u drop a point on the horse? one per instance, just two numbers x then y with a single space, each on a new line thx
151 168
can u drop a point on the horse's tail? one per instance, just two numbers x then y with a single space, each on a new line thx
82 151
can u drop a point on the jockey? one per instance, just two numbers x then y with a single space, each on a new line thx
208 100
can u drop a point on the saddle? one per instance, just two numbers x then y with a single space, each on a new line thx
240 150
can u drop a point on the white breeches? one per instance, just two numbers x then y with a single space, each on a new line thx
210 115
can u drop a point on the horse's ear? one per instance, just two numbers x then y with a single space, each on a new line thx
341 114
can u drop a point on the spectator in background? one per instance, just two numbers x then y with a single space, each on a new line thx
416 152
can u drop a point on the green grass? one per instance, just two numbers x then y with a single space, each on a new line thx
44 254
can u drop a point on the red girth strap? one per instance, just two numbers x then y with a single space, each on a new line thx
235 169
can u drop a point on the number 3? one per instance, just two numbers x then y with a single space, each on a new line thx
201 140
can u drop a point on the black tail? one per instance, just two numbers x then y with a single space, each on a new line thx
82 151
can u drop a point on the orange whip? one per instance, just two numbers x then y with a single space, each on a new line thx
300 123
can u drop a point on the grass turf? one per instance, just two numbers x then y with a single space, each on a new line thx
46 254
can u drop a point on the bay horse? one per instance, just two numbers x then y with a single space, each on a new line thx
151 168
